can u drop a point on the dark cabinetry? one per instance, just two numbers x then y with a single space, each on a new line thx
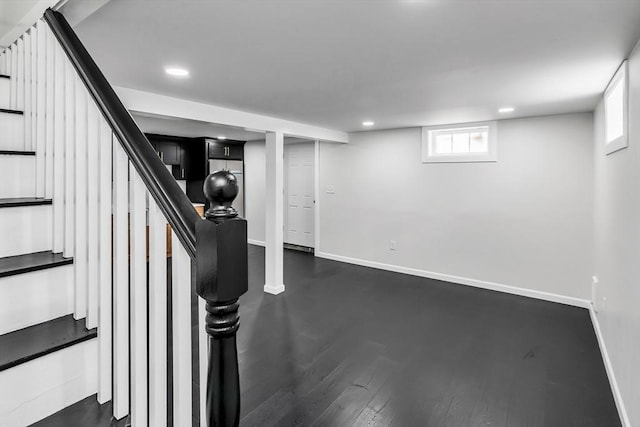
170 151
191 159
224 150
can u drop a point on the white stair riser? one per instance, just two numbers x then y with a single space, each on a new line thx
25 229
36 297
39 388
18 176
5 85
11 130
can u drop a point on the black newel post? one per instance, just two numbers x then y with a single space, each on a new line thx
221 248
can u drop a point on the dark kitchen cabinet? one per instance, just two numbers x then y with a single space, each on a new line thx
169 149
191 158
230 150
198 152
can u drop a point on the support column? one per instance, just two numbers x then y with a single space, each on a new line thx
274 262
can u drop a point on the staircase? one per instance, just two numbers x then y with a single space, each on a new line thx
48 355
90 305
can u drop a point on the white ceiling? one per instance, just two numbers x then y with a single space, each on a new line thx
335 63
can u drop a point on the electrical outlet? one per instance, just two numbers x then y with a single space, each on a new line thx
392 245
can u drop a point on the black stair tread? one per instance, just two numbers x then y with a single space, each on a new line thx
6 110
30 343
23 201
18 152
87 412
26 263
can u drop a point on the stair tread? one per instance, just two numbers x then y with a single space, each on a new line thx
23 201
26 263
18 152
7 110
87 412
38 340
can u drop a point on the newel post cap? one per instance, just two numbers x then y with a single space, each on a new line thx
220 188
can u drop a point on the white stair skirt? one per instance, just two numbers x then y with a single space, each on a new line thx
25 229
18 176
34 390
39 296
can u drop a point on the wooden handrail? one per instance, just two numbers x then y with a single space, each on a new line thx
173 202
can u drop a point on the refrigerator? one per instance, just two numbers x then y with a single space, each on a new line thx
236 167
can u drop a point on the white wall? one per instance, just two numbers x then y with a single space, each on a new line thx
525 221
617 247
255 176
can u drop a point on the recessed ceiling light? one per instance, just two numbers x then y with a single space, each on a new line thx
506 110
367 123
177 72
221 137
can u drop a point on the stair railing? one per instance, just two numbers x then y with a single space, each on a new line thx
112 201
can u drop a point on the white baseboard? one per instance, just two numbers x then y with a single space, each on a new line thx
274 290
617 396
256 242
546 296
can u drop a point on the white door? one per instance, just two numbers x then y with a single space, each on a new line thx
298 194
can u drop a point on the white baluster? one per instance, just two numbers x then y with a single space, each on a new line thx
157 316
27 92
3 62
81 211
181 316
20 74
138 298
69 159
58 149
120 282
34 88
40 108
91 143
13 72
106 224
49 113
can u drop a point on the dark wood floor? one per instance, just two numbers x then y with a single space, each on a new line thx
348 345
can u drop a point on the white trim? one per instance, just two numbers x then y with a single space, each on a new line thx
617 395
256 242
274 290
621 76
428 154
151 103
316 194
546 296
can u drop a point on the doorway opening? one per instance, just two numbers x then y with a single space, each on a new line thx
299 194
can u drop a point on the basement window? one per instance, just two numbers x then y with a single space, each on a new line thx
615 111
471 142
